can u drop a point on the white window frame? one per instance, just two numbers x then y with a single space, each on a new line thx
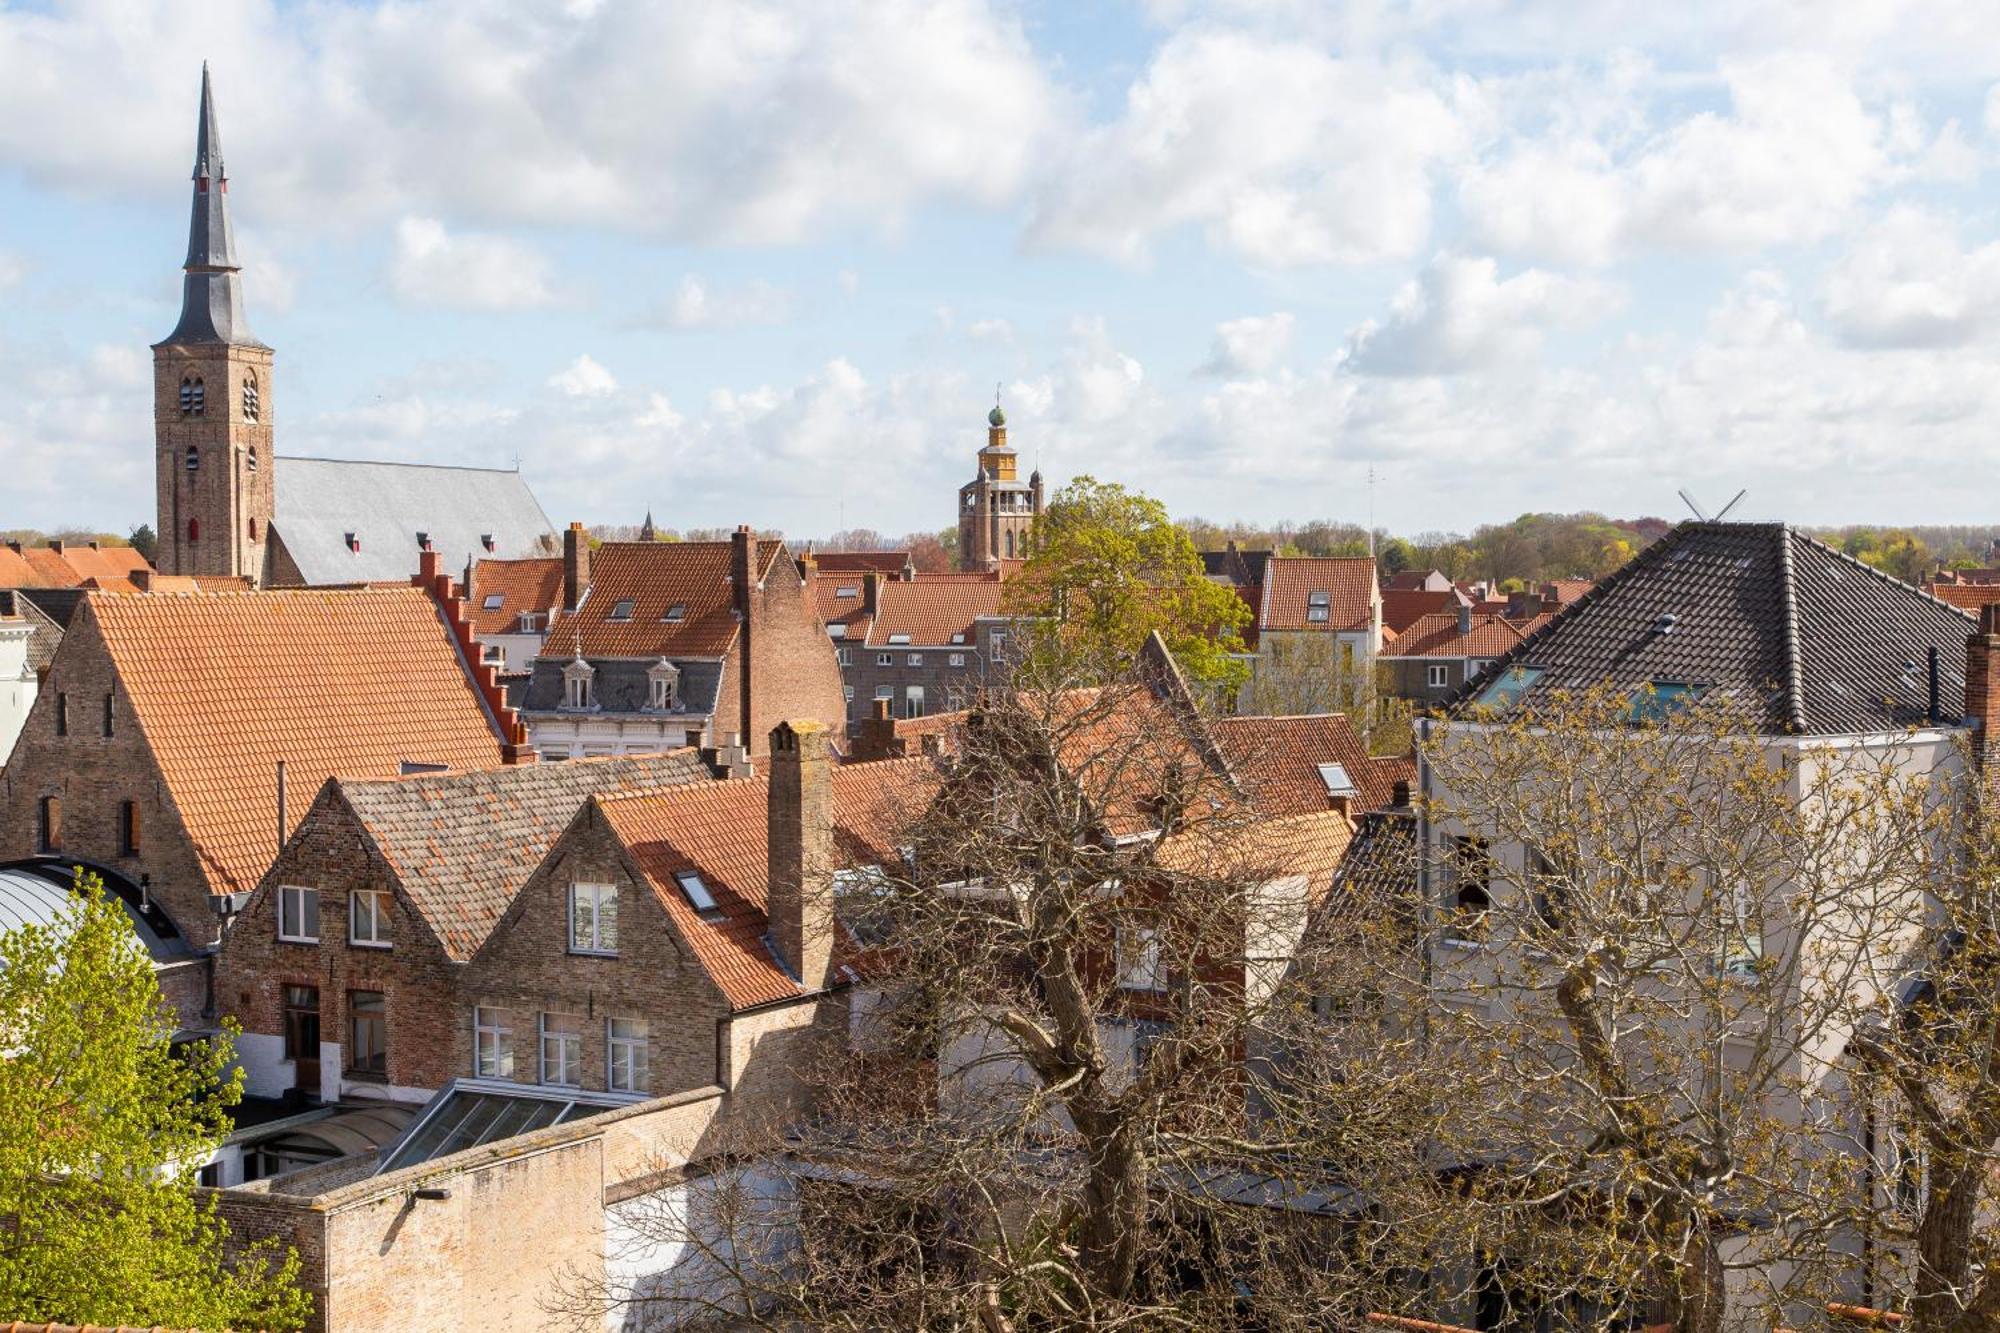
885 659
1141 970
844 656
492 1043
568 1049
956 659
1437 675
305 918
885 691
914 659
836 630
594 941
376 934
625 1060
913 701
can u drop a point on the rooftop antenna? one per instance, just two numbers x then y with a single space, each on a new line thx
1703 514
1371 511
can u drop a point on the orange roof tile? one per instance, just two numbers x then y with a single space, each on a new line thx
1403 607
224 685
1277 760
719 830
1965 596
1290 582
533 584
1310 844
1439 636
1566 591
932 613
855 562
654 577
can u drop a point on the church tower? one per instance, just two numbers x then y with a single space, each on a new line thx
212 396
996 508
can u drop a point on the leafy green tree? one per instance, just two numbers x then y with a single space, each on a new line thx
1107 567
144 541
102 1124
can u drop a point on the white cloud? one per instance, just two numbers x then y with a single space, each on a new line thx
12 269
1252 345
697 306
1795 152
467 271
1909 282
584 378
1459 315
1281 153
990 330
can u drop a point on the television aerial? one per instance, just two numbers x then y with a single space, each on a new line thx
1703 514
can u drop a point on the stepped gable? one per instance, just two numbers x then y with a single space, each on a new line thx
1816 641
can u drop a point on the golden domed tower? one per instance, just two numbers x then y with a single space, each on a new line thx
996 509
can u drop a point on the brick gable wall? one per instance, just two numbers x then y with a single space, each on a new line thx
793 671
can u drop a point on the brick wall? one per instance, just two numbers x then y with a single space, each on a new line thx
792 670
526 969
92 774
330 851
946 687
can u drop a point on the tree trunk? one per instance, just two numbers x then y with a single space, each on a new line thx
1113 1211
1696 1299
1944 1249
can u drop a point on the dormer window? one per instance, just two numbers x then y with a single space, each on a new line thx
836 630
576 684
621 610
250 403
493 601
675 613
847 590
192 459
1318 607
898 639
661 680
958 638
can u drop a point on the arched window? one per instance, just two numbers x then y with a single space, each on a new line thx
187 394
193 459
1010 543
251 460
199 397
253 529
194 530
250 403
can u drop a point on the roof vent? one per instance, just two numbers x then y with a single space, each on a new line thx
1666 622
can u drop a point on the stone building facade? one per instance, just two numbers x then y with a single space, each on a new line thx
924 645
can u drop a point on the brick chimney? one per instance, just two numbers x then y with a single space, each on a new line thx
799 825
871 591
576 565
1464 617
878 739
1982 689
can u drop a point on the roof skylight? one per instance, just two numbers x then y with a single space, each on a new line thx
696 891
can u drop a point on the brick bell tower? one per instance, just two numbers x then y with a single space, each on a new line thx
996 509
212 396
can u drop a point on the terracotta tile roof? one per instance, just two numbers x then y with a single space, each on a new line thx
1965 596
654 577
958 576
1814 640
1290 582
1439 636
462 844
834 608
1403 607
534 584
1566 591
1277 761
855 562
224 685
1311 844
719 829
931 613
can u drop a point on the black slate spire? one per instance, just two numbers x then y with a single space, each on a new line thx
212 291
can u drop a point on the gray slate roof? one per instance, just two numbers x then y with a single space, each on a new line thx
621 686
212 290
462 844
1820 643
321 500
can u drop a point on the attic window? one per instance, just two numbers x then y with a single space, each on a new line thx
1336 780
621 610
847 590
697 892
678 611
486 540
958 638
899 638
1505 692
836 630
493 601
1318 606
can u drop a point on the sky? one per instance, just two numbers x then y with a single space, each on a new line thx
767 261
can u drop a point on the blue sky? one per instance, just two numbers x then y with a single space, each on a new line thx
753 260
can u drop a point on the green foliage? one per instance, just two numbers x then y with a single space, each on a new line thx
1897 552
1106 568
102 1124
145 541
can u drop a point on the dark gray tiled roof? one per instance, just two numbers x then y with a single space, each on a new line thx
462 844
1817 641
621 686
320 500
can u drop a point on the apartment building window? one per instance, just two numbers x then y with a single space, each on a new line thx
48 829
626 1043
593 918
62 713
847 693
885 659
1138 961
1469 879
914 659
298 914
1742 934
1477 665
367 1032
996 644
1318 607
1545 884
955 659
107 714
845 656
128 828
368 918
1437 675
492 1043
576 684
562 1050
301 1019
913 701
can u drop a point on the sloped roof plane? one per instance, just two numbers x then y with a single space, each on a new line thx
385 505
